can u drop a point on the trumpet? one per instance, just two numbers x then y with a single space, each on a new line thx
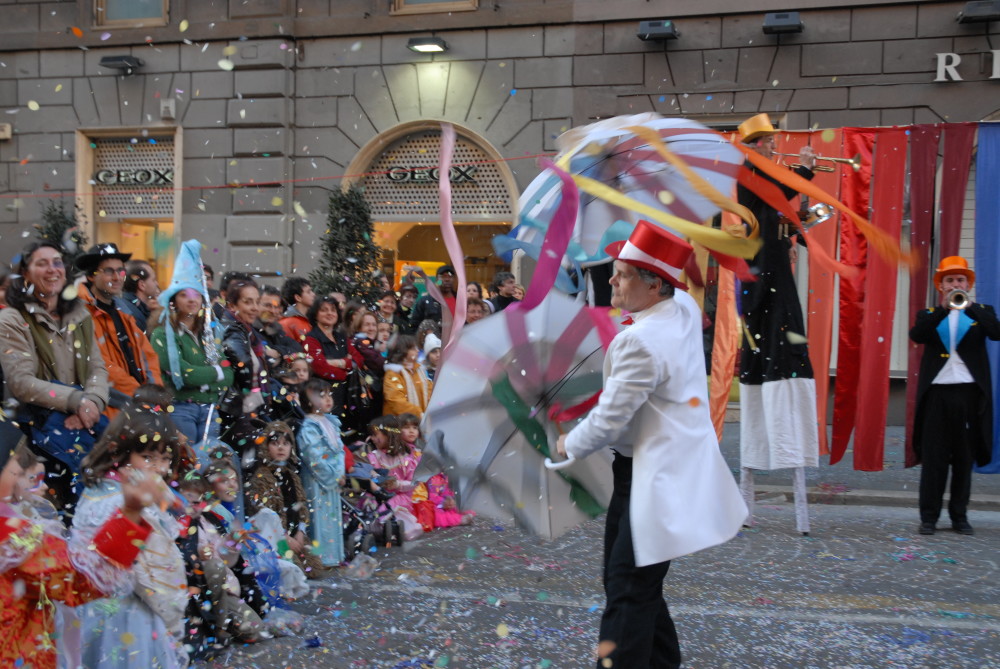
854 162
958 299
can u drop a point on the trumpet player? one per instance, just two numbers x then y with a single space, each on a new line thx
953 424
778 426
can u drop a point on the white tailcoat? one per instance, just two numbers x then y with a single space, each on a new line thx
654 408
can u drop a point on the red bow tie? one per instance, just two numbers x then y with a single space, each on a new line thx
628 321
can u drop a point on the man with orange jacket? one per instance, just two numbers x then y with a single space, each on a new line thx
128 355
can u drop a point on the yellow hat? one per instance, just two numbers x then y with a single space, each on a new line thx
754 127
953 265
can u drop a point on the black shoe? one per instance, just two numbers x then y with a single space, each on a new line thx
963 528
927 528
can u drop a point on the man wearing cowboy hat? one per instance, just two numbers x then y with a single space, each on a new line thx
778 426
127 353
679 497
953 424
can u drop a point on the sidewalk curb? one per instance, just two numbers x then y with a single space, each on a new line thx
870 497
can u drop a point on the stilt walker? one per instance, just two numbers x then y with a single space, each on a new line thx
778 426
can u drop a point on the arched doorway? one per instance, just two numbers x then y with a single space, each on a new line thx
398 171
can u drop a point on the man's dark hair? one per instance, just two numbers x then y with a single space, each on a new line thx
498 280
271 290
136 271
229 277
293 288
666 288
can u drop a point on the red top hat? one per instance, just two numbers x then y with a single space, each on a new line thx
652 247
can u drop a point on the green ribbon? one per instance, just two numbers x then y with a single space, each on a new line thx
531 428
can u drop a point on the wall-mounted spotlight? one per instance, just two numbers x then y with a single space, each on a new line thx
427 45
777 23
650 31
127 64
980 11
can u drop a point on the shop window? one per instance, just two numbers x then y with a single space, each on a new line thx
432 6
128 13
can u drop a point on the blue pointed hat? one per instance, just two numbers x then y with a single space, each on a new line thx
188 273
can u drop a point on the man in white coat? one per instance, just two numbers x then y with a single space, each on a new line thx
654 413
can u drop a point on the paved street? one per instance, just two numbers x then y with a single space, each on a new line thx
864 591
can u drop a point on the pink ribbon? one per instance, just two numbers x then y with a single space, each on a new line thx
451 241
556 242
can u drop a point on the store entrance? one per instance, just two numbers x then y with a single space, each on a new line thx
148 239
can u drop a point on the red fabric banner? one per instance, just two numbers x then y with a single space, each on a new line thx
924 141
855 193
876 327
958 139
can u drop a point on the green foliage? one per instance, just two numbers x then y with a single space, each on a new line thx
350 256
61 227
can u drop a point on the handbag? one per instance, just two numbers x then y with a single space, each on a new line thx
359 392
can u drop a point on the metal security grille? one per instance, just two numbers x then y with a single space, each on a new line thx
133 177
402 182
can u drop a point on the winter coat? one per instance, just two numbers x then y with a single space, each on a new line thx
406 392
114 359
20 361
201 380
296 325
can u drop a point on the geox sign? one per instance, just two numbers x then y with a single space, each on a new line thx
137 177
457 174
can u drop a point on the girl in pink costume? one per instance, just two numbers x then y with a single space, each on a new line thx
401 461
446 513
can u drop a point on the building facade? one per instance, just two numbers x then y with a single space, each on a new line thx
231 121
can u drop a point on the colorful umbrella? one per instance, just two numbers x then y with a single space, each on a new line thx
488 424
673 171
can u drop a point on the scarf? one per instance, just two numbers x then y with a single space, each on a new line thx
83 340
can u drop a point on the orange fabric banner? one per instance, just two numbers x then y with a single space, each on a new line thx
725 347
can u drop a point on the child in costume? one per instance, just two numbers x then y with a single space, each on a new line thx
145 627
38 565
406 388
273 484
323 470
436 491
392 454
216 609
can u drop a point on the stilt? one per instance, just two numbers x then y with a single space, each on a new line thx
801 501
747 489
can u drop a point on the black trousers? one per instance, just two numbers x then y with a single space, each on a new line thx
636 619
950 433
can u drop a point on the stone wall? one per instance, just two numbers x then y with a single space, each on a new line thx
296 108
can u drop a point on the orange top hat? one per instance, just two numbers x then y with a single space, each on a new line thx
953 265
652 247
755 127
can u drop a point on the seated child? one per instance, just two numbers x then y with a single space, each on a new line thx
50 568
216 609
323 472
262 583
393 455
438 492
139 439
273 484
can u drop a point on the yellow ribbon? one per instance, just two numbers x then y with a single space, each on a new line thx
716 240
